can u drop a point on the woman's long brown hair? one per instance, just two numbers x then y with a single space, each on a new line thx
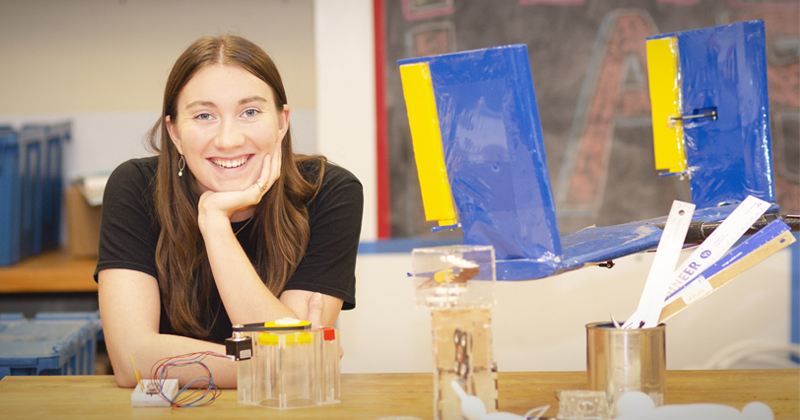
280 220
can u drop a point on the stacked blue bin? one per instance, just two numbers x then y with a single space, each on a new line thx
31 189
9 197
57 343
53 183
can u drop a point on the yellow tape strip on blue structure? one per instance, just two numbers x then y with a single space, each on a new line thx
665 100
437 197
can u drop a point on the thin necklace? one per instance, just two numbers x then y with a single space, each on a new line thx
214 321
243 226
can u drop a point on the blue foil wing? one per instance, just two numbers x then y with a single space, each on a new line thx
494 150
724 69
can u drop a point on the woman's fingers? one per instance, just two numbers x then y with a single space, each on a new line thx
315 310
270 169
315 315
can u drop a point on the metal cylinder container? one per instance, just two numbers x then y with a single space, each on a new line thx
620 360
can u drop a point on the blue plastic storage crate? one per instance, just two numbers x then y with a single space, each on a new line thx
31 145
31 189
60 343
53 184
9 197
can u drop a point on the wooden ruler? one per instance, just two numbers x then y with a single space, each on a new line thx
727 274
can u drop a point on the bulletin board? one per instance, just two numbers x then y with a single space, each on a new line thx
589 72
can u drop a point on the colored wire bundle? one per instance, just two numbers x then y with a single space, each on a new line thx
201 390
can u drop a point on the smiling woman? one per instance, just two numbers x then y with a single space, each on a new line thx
226 225
228 133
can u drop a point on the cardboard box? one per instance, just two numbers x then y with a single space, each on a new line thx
83 224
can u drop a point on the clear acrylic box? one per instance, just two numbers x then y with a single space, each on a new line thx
286 364
457 284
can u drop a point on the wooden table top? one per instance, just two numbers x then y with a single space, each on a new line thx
370 396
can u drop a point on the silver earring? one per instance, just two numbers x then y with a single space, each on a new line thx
181 165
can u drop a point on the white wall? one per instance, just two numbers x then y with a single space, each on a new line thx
101 55
346 128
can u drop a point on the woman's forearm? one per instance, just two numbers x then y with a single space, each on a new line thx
245 296
152 349
129 307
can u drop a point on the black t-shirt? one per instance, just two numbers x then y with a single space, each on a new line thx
130 228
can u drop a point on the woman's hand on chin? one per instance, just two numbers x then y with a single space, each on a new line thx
224 205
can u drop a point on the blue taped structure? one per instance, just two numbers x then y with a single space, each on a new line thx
724 69
494 150
495 156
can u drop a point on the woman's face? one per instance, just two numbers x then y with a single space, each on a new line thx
226 121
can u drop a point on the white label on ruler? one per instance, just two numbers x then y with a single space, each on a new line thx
717 244
667 254
698 288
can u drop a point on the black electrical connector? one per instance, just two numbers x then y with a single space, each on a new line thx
239 347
